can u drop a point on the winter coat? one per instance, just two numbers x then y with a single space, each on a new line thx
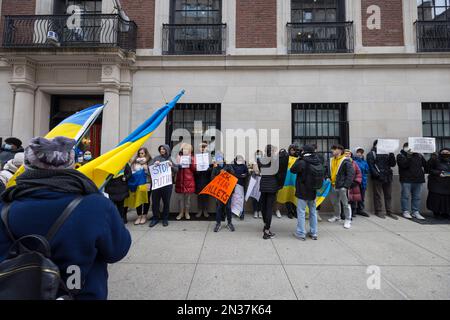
202 179
364 167
91 238
436 183
411 167
6 155
271 179
300 168
240 172
216 170
166 157
345 174
380 166
117 188
185 182
354 193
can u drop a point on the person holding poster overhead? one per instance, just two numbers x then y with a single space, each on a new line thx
438 200
162 194
411 167
202 178
185 182
380 166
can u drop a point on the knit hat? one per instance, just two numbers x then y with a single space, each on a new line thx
14 141
18 159
308 148
54 153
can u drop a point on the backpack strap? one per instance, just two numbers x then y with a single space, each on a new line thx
5 214
63 217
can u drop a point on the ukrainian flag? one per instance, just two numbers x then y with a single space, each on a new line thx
287 193
138 190
112 162
73 127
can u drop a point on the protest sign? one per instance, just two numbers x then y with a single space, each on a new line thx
202 161
161 175
253 189
221 187
422 145
185 161
386 146
237 200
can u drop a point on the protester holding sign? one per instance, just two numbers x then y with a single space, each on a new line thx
140 198
255 195
439 184
162 194
380 166
411 167
202 178
185 182
241 172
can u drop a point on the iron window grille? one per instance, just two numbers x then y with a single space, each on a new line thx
321 124
436 123
433 25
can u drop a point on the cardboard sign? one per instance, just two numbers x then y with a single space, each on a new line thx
237 200
386 146
253 188
161 175
202 161
422 145
185 161
221 187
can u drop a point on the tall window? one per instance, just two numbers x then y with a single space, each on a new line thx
322 124
436 123
86 6
432 10
304 11
196 11
187 115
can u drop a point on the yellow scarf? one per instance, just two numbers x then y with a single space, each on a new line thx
335 165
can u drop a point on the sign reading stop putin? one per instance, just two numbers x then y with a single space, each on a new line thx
221 187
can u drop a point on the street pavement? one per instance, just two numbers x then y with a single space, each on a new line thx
187 260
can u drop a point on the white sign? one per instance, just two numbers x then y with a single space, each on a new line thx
386 146
237 200
422 145
161 175
202 161
253 188
185 161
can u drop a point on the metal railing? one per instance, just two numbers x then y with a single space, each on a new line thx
433 36
320 37
90 31
191 39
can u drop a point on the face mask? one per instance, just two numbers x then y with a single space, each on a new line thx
7 146
240 161
258 157
406 149
87 158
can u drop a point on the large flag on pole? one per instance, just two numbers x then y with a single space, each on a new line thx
112 162
73 127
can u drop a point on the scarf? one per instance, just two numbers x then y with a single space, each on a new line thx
65 181
335 165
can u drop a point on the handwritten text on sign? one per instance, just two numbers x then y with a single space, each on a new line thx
221 187
161 175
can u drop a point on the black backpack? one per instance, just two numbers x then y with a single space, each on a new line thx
315 174
31 274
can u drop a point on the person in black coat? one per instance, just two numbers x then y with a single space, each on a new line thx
202 179
438 200
118 191
380 166
411 167
273 168
241 172
305 193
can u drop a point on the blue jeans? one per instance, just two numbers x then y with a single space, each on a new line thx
301 217
412 190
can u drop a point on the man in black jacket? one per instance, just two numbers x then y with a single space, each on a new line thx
380 166
411 167
305 193
340 172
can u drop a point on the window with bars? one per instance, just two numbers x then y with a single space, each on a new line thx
433 10
436 123
304 11
187 115
196 11
321 124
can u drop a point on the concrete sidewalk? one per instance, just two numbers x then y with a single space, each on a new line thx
187 260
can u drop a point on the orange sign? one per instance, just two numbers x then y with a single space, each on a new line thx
221 187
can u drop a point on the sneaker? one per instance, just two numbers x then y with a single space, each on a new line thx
380 215
217 227
255 215
334 219
319 218
278 214
259 215
231 227
266 236
313 236
347 224
417 215
153 223
299 237
290 215
272 235
392 216
407 215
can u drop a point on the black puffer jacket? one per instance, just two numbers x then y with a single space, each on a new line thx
436 183
411 167
202 179
300 167
345 174
273 172
117 188
381 165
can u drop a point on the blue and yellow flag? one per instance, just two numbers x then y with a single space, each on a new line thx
287 193
112 162
138 194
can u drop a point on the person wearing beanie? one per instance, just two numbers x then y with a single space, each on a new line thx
92 237
10 169
8 150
